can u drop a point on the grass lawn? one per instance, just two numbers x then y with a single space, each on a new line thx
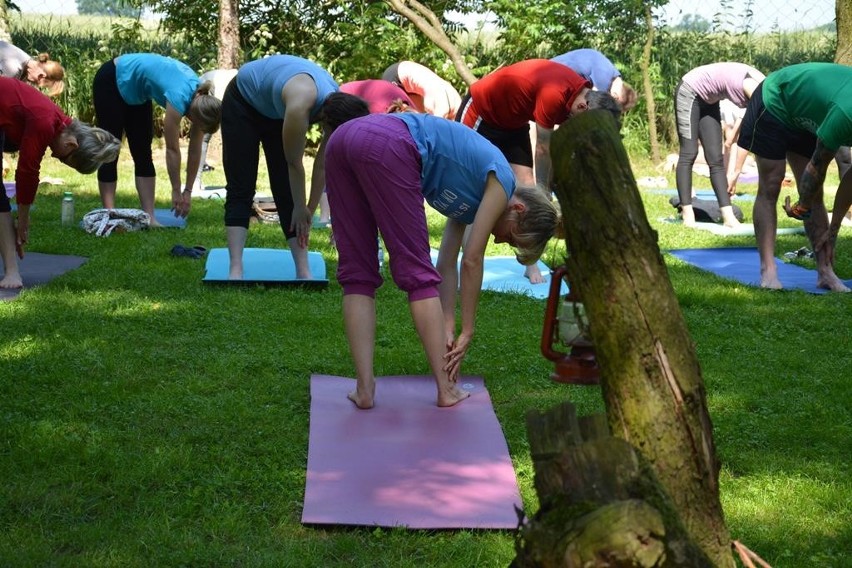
149 420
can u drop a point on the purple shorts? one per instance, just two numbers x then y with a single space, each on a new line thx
373 178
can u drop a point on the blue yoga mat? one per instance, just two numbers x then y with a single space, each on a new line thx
701 194
743 265
265 266
506 274
166 218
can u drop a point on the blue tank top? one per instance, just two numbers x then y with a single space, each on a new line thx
260 82
143 77
591 64
456 161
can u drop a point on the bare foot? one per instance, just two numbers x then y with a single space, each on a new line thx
831 282
534 274
362 401
306 275
236 272
451 396
12 281
153 223
770 282
688 216
733 223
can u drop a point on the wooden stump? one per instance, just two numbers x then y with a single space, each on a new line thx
600 503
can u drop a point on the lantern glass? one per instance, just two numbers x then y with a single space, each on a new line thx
573 325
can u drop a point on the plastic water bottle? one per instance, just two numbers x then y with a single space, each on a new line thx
381 254
68 209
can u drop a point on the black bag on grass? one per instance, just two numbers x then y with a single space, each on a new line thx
706 210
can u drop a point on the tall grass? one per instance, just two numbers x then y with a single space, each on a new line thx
83 43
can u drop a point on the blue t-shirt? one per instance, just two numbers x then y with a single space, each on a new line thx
260 82
591 64
143 77
456 161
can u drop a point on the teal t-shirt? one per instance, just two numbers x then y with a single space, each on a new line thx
815 97
261 81
144 77
456 161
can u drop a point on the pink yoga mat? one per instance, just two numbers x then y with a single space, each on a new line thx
407 462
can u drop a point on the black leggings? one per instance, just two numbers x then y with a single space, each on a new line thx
117 117
704 123
5 204
244 130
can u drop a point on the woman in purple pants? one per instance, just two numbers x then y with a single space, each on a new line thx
379 169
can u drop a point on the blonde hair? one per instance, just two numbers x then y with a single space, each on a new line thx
398 105
54 75
536 224
629 98
95 147
205 109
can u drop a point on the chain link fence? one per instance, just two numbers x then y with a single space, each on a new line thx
748 16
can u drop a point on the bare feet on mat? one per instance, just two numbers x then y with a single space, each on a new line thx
363 401
534 274
729 219
770 282
12 281
451 396
831 282
688 216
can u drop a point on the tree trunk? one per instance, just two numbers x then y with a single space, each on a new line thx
651 379
600 503
427 22
228 56
648 87
843 13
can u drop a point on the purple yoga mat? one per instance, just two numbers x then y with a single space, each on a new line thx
407 462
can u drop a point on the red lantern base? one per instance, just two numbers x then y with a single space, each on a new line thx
580 367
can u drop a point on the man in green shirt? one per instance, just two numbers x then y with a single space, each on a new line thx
801 115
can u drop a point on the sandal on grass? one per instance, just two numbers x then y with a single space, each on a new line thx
798 211
189 252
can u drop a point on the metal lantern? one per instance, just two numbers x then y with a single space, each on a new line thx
565 324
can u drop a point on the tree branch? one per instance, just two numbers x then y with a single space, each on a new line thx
427 22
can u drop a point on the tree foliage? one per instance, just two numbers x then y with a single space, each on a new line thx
693 23
353 40
107 8
549 27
